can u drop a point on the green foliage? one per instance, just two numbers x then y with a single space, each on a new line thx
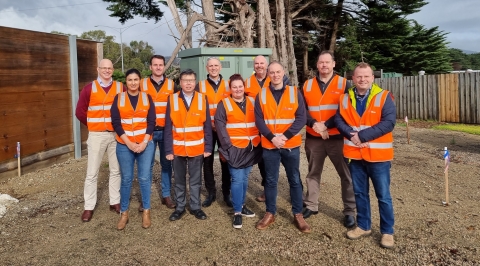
462 61
470 129
127 9
382 36
137 55
118 75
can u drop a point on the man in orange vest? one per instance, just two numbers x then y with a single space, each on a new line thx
366 117
321 95
215 88
253 85
93 110
279 116
188 141
160 87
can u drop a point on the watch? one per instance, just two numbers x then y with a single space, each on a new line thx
145 141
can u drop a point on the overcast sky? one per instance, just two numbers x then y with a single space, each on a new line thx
461 18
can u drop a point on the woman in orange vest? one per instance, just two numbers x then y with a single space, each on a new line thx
133 119
239 139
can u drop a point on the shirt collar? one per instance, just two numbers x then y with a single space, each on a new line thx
103 84
159 82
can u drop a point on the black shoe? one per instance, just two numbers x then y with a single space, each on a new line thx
209 200
349 221
237 221
246 212
307 213
176 215
228 201
199 214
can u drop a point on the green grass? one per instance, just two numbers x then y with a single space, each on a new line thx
470 129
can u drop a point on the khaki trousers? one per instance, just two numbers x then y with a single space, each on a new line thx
317 150
98 143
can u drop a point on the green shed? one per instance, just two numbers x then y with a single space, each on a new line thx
233 60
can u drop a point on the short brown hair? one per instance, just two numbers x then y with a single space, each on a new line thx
363 65
326 52
235 77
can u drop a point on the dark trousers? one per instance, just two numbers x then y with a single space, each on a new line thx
180 166
208 175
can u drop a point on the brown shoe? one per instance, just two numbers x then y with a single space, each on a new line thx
267 220
387 241
301 224
87 215
146 219
123 220
140 207
261 198
358 233
115 208
167 201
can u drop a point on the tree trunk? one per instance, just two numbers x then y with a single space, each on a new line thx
261 23
209 13
193 19
270 34
305 63
245 20
189 15
292 62
336 22
176 18
281 36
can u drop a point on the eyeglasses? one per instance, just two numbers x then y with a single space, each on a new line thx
106 68
188 80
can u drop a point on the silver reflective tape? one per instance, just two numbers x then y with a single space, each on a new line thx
309 85
122 99
170 84
160 115
188 143
175 102
130 121
200 102
387 145
314 108
229 104
245 137
329 107
136 132
248 82
349 143
264 95
187 129
364 127
203 87
378 98
279 121
212 106
99 120
340 83
145 88
98 108
227 88
291 94
94 87
240 125
118 87
160 104
145 99
345 101
252 100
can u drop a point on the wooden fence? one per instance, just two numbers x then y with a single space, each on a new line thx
444 97
35 90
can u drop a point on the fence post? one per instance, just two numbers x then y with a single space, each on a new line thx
72 41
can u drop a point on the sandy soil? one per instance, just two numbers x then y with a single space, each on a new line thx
44 228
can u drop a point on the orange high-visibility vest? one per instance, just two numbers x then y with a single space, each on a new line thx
98 113
279 118
378 150
241 126
134 121
323 106
187 126
212 97
252 87
159 98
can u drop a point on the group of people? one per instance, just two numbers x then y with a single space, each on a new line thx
257 120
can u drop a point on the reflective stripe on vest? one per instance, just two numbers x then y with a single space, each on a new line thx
98 111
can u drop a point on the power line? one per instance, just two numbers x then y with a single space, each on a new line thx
53 7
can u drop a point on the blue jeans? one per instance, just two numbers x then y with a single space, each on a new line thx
166 176
239 186
290 159
379 173
126 160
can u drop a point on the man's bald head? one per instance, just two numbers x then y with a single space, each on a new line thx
105 70
260 66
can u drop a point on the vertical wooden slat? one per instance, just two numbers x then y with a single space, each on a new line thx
477 97
441 94
465 92
461 82
423 82
416 89
472 103
435 98
456 101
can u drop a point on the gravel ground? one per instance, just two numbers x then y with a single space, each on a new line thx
44 228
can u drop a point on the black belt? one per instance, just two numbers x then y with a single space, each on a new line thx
158 128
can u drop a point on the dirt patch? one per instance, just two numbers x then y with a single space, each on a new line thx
44 228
